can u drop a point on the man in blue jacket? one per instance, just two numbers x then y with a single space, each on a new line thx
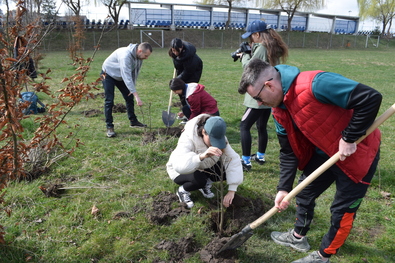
121 69
318 114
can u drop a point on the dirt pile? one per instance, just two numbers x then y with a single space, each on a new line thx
242 212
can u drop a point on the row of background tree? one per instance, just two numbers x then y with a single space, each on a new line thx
382 11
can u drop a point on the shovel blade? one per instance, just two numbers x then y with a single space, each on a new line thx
238 239
168 118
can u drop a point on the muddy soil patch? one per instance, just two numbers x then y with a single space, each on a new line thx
242 212
150 137
166 209
163 210
91 113
100 95
180 250
119 107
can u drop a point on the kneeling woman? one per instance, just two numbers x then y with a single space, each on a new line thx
203 155
197 100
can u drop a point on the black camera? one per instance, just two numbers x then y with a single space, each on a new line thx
244 48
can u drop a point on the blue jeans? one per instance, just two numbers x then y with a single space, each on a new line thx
109 88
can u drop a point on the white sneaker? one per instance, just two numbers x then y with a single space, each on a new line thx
184 197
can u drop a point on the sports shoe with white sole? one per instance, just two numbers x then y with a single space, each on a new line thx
182 118
260 161
287 239
206 190
246 166
313 257
111 133
184 197
137 124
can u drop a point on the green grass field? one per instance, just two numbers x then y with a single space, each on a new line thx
131 172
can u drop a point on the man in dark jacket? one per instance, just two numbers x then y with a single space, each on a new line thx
318 114
187 63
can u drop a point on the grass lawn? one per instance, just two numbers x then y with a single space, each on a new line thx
125 173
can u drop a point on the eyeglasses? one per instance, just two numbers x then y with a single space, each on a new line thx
257 98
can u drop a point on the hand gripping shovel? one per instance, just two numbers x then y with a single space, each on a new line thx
238 239
168 117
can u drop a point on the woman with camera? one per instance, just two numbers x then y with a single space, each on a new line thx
267 45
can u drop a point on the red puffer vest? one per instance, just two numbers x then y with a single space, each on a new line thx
310 123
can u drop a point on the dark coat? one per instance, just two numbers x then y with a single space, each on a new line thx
188 64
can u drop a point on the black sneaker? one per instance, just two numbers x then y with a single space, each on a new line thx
137 124
246 166
258 160
206 190
185 197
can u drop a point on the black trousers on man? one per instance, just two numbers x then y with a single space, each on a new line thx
348 198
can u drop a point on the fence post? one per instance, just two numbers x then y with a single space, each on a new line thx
202 39
366 42
304 38
94 38
118 37
163 39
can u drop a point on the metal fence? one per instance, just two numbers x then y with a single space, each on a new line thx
221 39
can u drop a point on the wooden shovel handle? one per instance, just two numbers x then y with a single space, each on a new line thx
171 93
325 166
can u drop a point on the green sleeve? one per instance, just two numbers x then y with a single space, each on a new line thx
333 88
245 59
258 51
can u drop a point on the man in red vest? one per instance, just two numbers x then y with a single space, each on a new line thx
318 114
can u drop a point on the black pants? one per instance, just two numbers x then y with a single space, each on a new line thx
347 200
198 179
251 116
109 89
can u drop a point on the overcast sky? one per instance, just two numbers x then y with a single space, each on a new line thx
340 7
